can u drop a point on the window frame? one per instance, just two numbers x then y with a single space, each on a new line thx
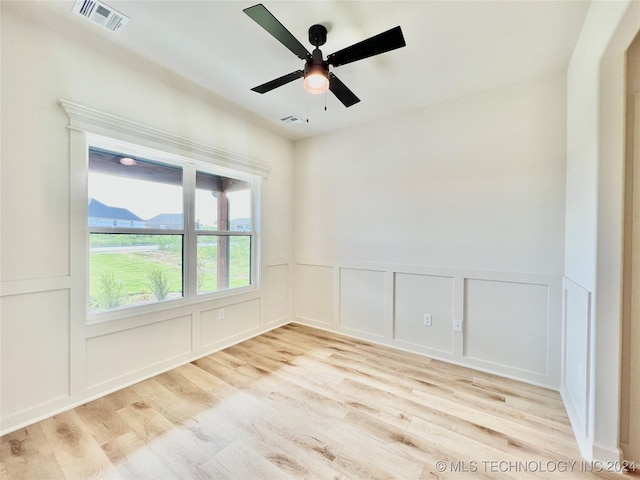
189 232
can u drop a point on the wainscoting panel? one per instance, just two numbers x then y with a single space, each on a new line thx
221 324
121 354
35 350
416 295
507 324
577 320
277 293
362 294
314 294
511 321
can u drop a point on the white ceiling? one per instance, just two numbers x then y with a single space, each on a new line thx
454 48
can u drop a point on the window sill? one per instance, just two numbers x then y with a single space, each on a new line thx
168 305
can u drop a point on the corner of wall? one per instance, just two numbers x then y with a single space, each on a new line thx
595 155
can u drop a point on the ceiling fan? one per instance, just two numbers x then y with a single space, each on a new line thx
317 78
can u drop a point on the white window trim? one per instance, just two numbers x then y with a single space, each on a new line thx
91 127
90 120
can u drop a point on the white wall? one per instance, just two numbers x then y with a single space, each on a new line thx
593 239
51 359
455 210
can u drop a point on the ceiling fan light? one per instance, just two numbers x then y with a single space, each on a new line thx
316 83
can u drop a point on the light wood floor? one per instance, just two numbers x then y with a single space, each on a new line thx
305 404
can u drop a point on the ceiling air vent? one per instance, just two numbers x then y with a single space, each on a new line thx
102 14
292 119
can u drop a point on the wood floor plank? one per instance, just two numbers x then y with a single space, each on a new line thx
302 403
206 431
287 447
242 462
545 441
26 454
180 454
132 460
335 402
102 421
76 451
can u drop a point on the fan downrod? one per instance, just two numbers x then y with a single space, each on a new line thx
317 35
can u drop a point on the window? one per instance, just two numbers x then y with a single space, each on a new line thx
223 224
165 230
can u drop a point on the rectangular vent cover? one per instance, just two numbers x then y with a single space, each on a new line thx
100 13
292 119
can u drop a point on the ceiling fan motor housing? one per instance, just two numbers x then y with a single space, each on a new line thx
317 35
316 64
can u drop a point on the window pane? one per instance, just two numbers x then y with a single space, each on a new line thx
240 210
133 193
132 270
223 262
222 203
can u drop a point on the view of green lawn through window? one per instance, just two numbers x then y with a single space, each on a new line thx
130 270
239 262
138 238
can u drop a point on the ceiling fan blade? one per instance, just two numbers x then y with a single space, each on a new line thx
341 91
278 82
383 42
266 20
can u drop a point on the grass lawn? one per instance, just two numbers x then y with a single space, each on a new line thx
130 270
239 264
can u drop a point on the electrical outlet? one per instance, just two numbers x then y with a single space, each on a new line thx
221 314
426 319
457 325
